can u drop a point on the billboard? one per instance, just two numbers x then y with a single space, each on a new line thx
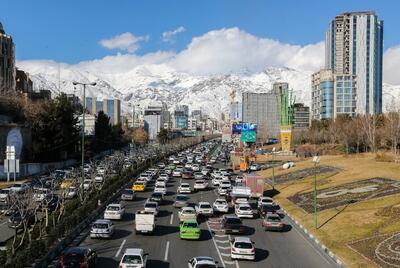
238 128
286 137
248 136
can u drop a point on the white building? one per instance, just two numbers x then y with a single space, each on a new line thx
154 119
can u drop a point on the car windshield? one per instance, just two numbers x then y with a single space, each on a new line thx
188 211
150 205
220 202
205 206
132 259
113 208
72 258
181 198
244 245
100 225
184 186
233 221
190 225
127 192
244 208
274 219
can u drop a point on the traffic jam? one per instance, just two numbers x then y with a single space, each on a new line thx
209 199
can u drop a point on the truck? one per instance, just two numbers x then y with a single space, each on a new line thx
255 183
144 222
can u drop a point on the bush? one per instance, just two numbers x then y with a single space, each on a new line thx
384 157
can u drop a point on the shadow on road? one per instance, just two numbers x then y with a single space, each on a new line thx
205 235
261 254
104 262
249 230
166 230
271 192
163 213
119 233
287 228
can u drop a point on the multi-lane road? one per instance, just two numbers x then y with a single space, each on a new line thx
273 249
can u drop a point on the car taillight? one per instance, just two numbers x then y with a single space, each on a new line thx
62 261
83 264
252 250
233 249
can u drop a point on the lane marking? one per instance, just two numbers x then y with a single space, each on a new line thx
225 254
172 218
220 235
216 247
224 247
120 248
221 241
166 251
230 262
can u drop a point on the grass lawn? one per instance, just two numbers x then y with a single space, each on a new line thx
341 225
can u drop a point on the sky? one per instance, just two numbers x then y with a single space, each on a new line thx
188 35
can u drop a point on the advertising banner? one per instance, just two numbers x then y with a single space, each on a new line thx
286 137
238 128
248 136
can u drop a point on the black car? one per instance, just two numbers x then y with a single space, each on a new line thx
77 257
267 208
16 220
156 197
232 224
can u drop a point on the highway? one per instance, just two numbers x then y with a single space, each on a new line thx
273 249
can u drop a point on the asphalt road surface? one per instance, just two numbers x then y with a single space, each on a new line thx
273 249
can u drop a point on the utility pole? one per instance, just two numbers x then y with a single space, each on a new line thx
273 168
83 124
315 160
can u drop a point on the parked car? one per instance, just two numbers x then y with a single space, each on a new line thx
189 229
66 183
77 257
181 201
272 222
232 224
242 248
202 262
134 258
114 212
102 229
128 195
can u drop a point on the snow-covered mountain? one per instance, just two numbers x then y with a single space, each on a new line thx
147 84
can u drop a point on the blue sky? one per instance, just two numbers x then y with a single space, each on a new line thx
70 31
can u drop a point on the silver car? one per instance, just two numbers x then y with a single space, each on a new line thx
181 200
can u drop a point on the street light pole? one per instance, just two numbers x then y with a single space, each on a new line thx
273 168
316 161
83 124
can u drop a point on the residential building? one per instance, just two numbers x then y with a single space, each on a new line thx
7 63
322 95
193 123
154 119
111 107
354 49
197 114
301 116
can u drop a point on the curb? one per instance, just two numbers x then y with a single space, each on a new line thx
326 251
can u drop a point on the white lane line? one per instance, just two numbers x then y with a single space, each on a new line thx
215 244
166 251
120 248
172 218
225 254
221 241
220 235
230 262
223 247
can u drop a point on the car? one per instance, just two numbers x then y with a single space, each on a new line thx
16 220
187 213
134 258
66 183
267 208
128 195
224 190
40 194
204 209
102 229
200 185
87 184
87 168
216 181
239 180
114 212
71 192
202 262
184 188
161 165
189 229
156 197
232 224
244 211
264 200
225 182
242 248
19 187
4 194
196 167
76 257
255 167
272 222
139 186
187 174
160 189
177 173
220 205
240 200
181 201
151 206
101 170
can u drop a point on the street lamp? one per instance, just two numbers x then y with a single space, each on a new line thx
273 168
83 122
315 160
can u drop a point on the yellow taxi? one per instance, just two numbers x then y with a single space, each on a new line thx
65 184
139 186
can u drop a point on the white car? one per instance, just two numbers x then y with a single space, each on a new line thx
244 211
187 213
19 187
152 207
40 194
216 181
4 194
202 262
164 176
224 190
160 182
160 189
239 180
220 205
133 258
204 208
188 165
102 229
184 188
241 200
71 192
255 167
177 173
242 248
87 168
200 185
87 184
196 167
225 182
99 179
198 175
264 200
114 212
101 170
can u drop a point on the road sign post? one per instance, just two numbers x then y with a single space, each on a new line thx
11 164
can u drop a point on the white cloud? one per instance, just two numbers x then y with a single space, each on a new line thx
391 61
125 42
169 36
227 50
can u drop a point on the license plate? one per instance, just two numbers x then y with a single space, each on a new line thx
235 231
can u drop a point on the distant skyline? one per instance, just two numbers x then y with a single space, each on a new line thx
233 33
